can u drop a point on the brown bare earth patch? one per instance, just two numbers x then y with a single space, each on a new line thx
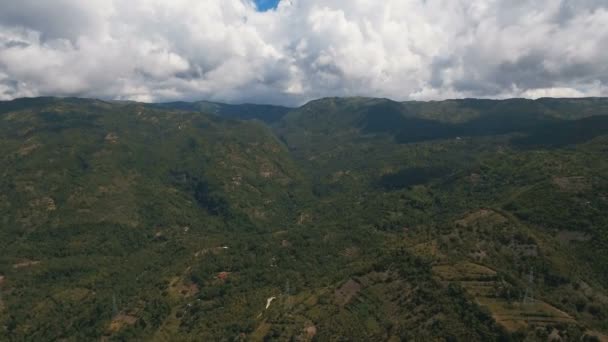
351 252
304 218
256 213
601 337
478 255
428 249
111 138
120 321
214 251
25 186
372 278
337 176
524 249
464 271
27 149
1 280
309 333
26 263
44 203
223 275
474 178
481 216
266 173
26 131
261 331
568 236
179 288
572 184
346 292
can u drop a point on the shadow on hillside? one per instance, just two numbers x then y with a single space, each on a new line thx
538 129
564 134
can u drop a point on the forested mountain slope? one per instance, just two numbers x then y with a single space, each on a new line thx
344 219
266 113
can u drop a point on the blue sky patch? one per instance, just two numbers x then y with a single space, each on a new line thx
265 5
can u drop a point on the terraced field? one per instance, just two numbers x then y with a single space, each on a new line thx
483 284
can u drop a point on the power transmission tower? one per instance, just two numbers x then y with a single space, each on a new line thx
114 306
529 294
287 294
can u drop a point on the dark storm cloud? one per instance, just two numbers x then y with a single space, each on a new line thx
57 19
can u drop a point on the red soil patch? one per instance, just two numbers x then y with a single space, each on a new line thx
474 178
223 275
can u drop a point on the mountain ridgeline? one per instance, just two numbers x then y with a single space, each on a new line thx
355 219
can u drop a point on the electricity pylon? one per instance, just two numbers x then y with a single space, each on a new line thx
529 294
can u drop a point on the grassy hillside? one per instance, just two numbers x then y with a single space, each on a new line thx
344 219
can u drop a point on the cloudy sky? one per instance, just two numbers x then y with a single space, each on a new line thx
239 51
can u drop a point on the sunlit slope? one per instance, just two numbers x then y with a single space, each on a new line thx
344 219
99 198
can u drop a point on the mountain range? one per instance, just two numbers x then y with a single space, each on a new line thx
345 219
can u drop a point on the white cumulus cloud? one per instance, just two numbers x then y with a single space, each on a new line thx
225 50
